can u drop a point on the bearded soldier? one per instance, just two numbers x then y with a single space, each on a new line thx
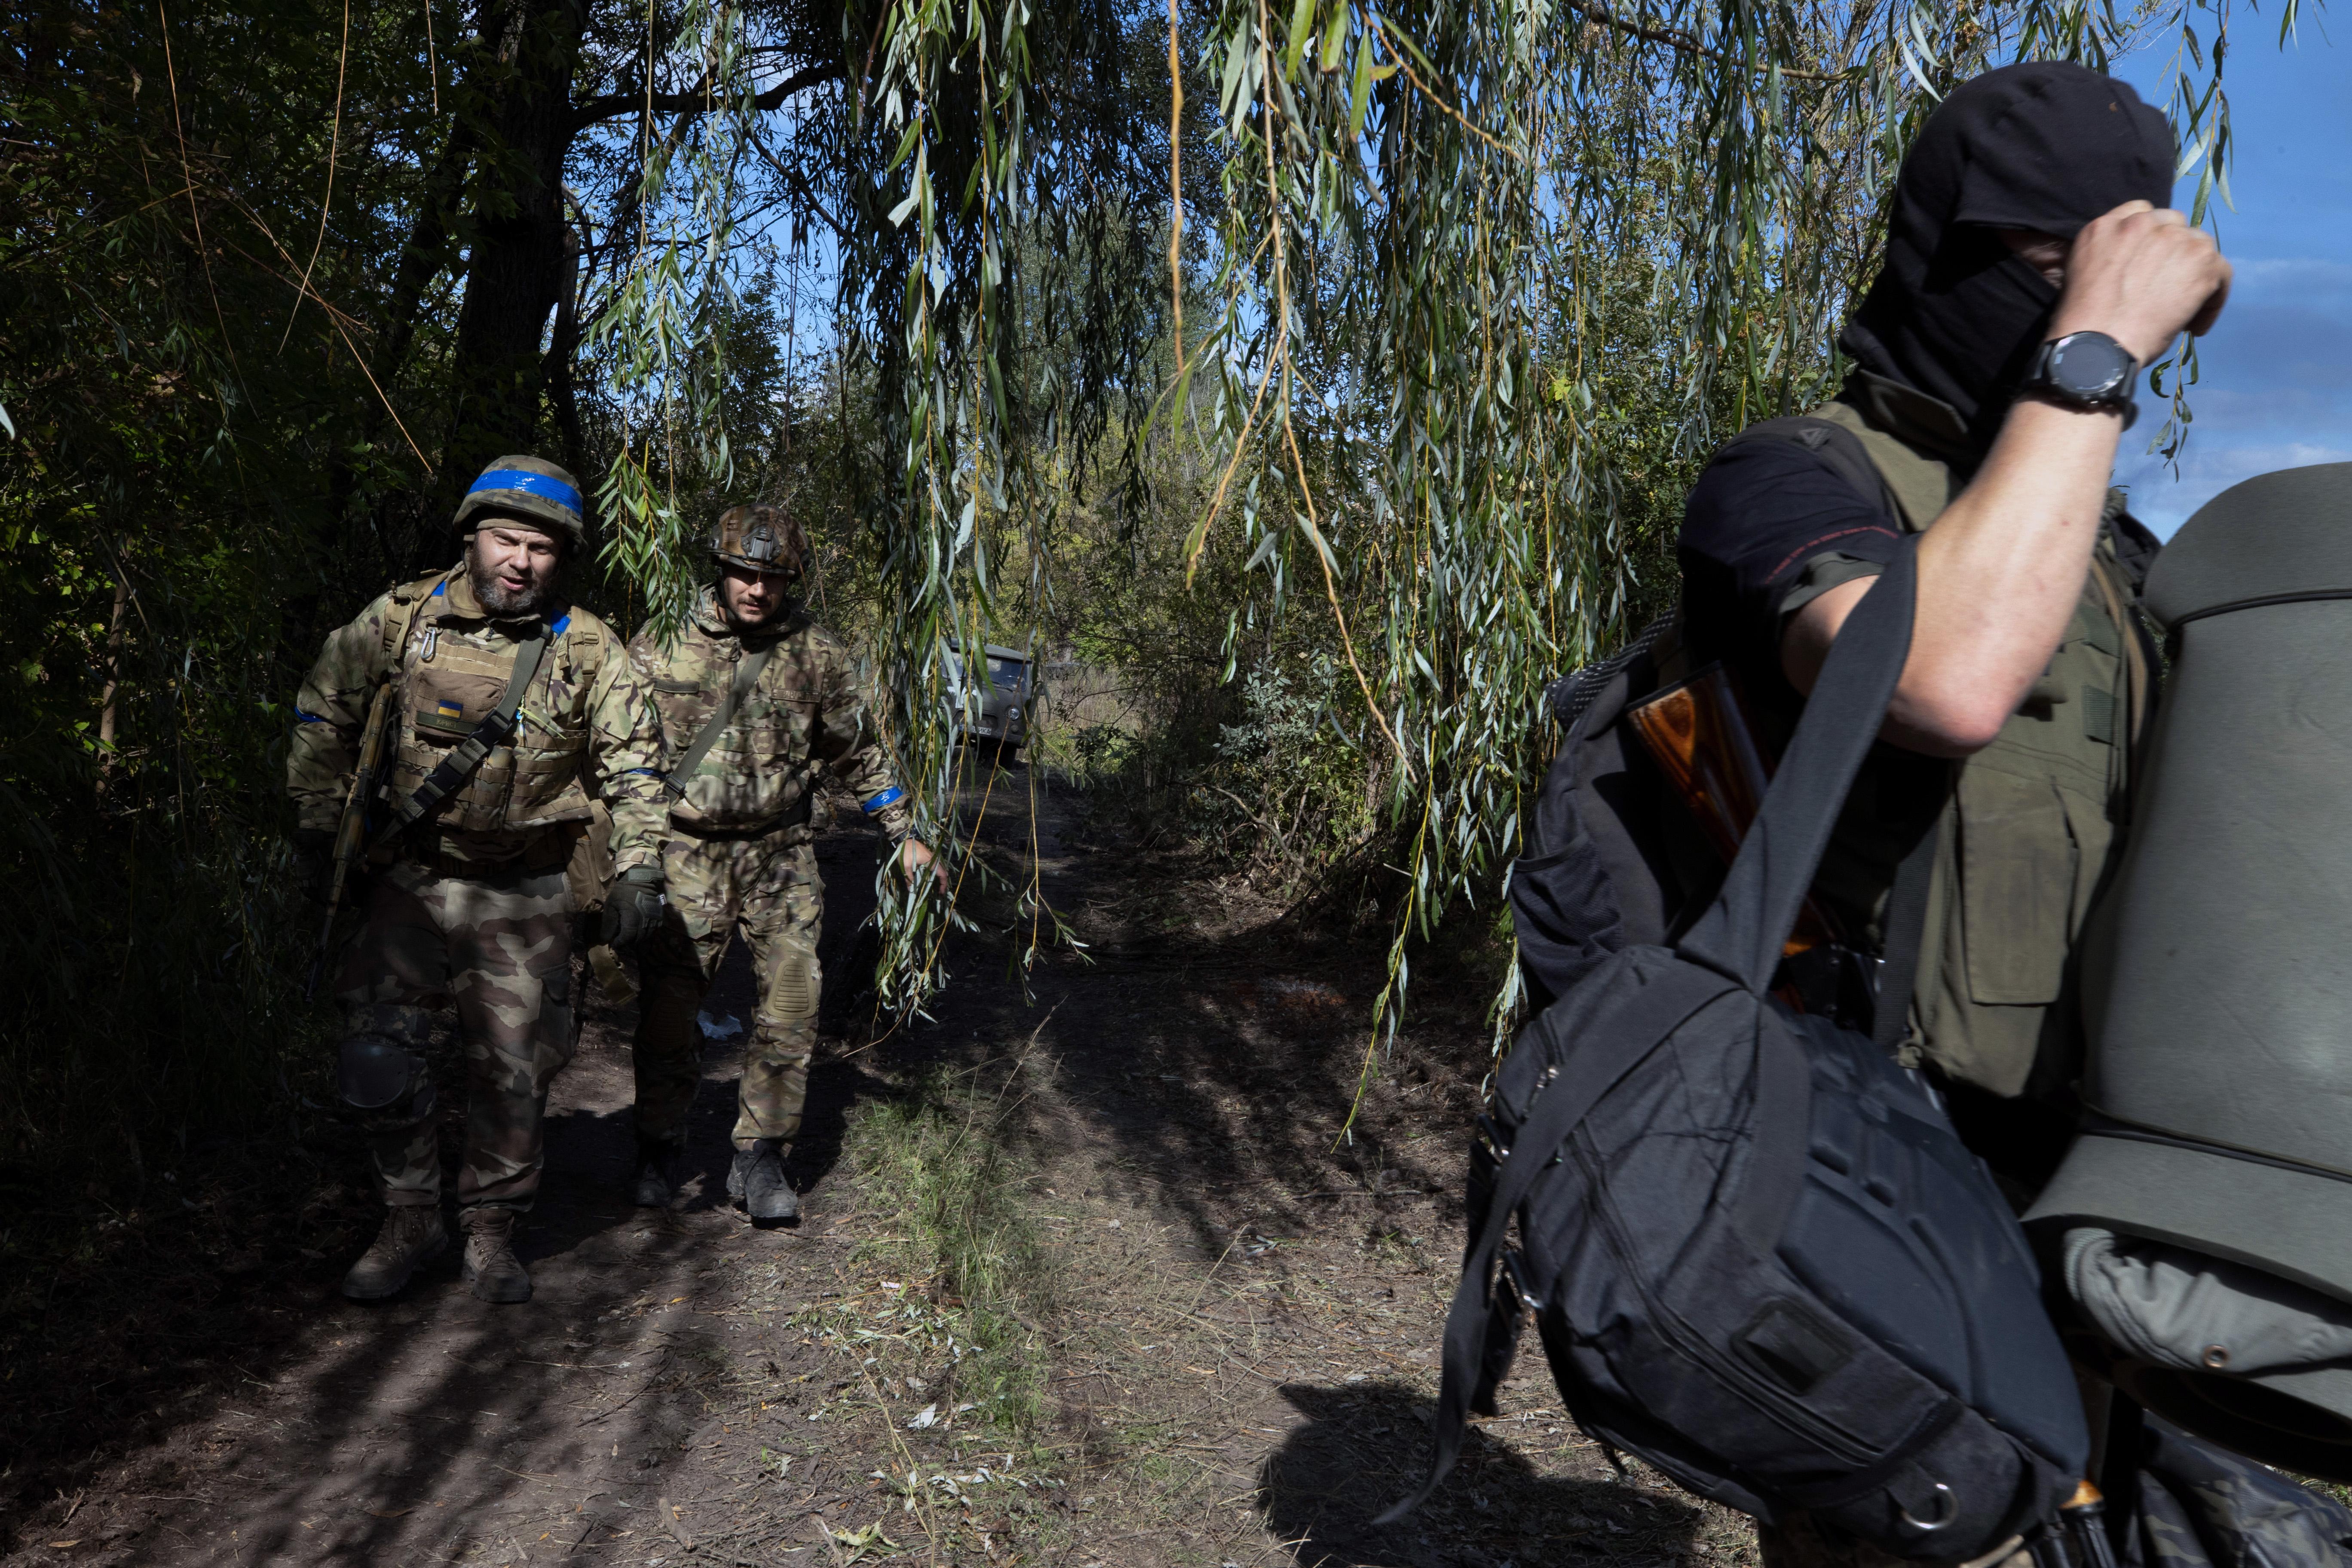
510 714
753 697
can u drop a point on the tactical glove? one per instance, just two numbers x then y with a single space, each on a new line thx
634 907
314 862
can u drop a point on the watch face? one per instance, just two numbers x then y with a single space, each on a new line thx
2090 365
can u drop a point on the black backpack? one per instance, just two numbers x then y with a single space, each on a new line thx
1757 1254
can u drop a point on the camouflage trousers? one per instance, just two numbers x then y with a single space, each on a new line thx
498 946
771 887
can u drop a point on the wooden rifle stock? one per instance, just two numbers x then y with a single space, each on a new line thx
1697 733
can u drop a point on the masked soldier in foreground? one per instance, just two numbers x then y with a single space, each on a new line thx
2031 271
511 712
753 697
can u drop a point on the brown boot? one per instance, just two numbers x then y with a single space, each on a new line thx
412 1233
491 1267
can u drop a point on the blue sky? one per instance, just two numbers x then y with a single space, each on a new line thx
2276 388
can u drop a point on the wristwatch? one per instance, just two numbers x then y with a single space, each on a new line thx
2086 370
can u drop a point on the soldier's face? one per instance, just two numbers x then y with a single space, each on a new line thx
513 566
752 598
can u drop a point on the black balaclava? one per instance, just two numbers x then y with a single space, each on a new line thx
1955 313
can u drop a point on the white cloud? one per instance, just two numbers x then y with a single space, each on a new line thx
2275 393
2209 467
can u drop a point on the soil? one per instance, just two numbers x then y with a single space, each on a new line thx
1238 1354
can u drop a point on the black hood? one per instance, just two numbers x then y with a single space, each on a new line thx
1955 313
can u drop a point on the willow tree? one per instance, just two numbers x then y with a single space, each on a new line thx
1442 303
1403 236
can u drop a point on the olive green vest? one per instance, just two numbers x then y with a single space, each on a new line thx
2028 833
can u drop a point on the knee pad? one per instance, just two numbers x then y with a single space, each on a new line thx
792 989
375 1068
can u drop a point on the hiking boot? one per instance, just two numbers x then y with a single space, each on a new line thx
653 1186
757 1181
412 1233
491 1267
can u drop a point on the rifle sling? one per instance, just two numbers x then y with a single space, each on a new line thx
747 676
496 730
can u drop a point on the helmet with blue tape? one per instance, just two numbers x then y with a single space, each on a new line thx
529 489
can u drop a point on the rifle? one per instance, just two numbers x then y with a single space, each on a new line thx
351 833
1698 732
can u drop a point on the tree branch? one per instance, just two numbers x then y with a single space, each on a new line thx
612 105
1675 38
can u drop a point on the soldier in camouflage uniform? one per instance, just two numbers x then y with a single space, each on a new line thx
739 847
467 902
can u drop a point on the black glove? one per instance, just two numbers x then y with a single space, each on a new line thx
314 861
634 907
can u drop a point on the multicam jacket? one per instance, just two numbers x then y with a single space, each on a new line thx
808 707
585 731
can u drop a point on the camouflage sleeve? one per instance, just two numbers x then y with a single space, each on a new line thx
849 740
329 715
624 759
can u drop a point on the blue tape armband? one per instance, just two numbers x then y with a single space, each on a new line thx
888 797
302 718
557 629
539 485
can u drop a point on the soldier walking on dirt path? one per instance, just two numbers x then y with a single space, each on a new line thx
514 719
753 697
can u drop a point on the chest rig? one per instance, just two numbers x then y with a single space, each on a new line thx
493 728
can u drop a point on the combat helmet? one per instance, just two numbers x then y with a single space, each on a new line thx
761 537
532 489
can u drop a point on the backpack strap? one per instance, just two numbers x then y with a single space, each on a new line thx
1743 934
747 676
496 729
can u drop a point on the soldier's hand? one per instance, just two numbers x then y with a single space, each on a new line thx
633 907
314 862
914 855
2142 275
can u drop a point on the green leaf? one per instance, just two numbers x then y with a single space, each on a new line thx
1335 39
1302 27
1359 95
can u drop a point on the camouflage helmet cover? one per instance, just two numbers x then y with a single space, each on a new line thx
762 537
529 490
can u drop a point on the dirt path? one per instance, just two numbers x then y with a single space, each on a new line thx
1219 1348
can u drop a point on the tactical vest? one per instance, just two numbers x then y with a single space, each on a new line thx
760 775
450 678
2027 834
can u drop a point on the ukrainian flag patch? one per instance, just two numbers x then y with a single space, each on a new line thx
449 709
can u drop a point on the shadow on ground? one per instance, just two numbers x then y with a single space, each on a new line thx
1364 1448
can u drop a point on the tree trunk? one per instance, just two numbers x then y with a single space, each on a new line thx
518 271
